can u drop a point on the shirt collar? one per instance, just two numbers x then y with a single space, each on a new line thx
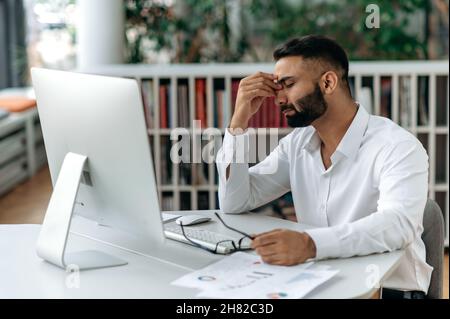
351 142
313 143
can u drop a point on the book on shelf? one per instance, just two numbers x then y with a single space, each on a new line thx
200 102
221 113
163 106
200 174
183 105
405 108
166 162
385 99
234 92
422 106
167 202
148 98
442 101
185 201
216 177
203 200
185 173
218 108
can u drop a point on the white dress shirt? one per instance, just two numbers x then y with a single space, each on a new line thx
370 200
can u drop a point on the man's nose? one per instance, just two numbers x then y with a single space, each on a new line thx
280 98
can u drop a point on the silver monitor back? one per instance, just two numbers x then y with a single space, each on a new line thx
101 118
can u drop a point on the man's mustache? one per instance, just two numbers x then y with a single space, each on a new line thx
286 107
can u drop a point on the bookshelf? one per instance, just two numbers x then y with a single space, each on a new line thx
22 150
414 94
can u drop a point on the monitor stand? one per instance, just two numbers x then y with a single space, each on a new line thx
52 239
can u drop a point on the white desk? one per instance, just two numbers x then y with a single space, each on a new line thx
147 275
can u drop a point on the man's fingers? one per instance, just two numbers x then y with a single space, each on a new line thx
267 232
267 250
265 75
279 262
261 81
273 259
261 86
257 77
265 239
272 84
277 259
259 92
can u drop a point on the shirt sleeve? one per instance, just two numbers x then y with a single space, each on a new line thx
403 188
248 188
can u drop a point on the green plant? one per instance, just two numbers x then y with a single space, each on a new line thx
344 20
194 31
200 30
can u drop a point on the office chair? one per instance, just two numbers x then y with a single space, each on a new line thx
433 237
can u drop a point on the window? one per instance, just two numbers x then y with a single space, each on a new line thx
51 33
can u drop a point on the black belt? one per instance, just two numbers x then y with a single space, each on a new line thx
398 294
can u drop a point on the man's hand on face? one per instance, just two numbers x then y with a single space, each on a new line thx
284 247
251 93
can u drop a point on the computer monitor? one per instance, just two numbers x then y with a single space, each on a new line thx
100 161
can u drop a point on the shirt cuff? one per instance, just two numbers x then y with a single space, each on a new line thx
235 147
326 242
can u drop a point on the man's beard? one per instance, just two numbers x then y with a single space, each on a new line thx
312 106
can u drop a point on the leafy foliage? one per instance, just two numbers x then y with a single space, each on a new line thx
202 31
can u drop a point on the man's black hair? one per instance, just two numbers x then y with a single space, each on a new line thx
319 48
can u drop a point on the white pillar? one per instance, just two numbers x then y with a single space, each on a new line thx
100 33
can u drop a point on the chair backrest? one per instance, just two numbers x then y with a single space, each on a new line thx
433 237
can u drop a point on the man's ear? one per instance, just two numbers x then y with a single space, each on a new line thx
329 82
